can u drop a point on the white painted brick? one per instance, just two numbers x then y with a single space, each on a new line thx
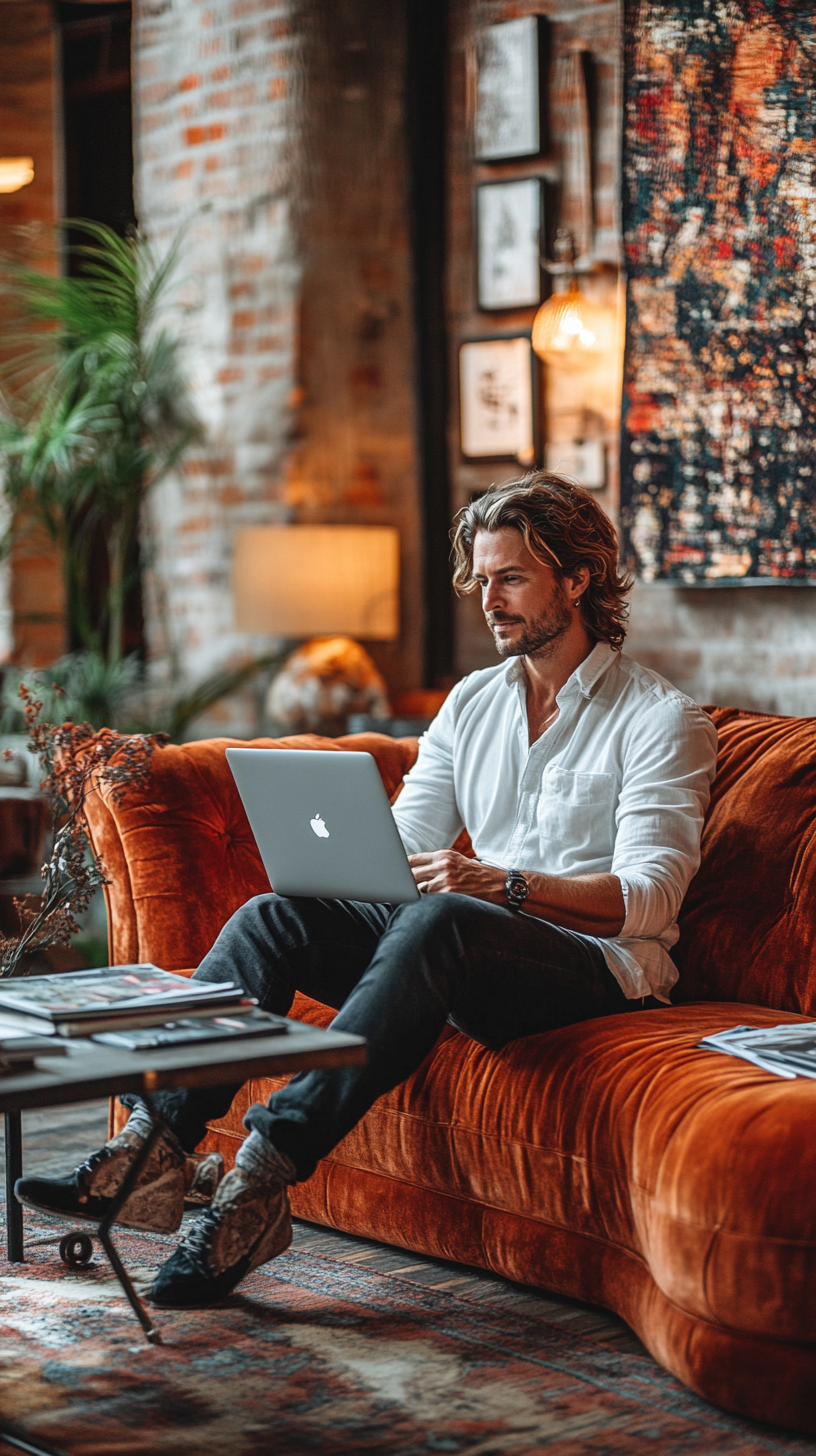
209 154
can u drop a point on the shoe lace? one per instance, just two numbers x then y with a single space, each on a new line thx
92 1162
198 1240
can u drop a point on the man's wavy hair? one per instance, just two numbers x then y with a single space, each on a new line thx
563 526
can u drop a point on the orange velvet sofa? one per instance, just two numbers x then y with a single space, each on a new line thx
613 1161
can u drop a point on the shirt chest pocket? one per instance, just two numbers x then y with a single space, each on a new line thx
576 811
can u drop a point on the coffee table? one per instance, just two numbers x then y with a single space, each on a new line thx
91 1070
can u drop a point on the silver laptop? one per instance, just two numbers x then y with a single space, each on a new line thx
323 824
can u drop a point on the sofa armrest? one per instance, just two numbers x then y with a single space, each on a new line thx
179 851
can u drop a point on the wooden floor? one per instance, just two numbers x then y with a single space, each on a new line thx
56 1139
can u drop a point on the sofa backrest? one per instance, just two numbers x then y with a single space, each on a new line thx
182 858
748 922
180 853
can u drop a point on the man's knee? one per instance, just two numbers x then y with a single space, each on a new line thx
242 940
264 916
434 913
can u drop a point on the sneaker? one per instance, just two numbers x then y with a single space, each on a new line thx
201 1177
247 1223
156 1203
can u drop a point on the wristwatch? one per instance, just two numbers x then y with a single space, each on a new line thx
516 889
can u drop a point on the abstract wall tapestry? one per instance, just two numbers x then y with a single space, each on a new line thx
718 478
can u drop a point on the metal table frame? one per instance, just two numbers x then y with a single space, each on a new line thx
14 1170
105 1072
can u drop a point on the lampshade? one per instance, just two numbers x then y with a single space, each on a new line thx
15 172
305 581
569 328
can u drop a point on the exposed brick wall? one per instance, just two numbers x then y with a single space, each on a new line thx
745 647
276 130
213 131
31 588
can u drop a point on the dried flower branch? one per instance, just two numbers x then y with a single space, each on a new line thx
76 761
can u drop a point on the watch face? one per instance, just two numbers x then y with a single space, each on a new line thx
517 888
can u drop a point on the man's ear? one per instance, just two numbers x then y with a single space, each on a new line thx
577 583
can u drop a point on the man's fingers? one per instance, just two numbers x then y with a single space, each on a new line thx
434 873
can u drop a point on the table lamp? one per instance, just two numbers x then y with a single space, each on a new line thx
332 584
304 581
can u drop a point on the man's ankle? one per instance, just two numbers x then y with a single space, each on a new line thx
261 1159
139 1122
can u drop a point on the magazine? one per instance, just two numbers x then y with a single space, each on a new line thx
788 1050
18 1053
192 1030
78 1002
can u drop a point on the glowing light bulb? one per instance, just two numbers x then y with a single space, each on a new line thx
572 323
569 328
15 172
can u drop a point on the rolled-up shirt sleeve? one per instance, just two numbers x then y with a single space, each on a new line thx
669 766
426 812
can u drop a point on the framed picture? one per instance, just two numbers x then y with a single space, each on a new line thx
508 232
582 460
496 399
508 101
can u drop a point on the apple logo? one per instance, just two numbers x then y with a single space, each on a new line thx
319 827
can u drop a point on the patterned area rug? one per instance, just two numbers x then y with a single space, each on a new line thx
718 469
320 1356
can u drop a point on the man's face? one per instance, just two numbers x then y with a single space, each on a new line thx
525 602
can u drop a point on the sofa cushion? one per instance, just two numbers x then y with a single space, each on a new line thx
747 925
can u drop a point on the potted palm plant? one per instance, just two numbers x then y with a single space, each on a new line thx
96 413
93 413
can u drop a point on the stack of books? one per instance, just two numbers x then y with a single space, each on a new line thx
137 1007
19 1053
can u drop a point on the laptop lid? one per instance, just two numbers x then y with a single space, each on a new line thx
323 824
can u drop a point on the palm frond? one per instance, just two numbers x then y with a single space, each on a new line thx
210 690
100 408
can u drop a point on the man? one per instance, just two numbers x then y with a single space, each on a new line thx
582 779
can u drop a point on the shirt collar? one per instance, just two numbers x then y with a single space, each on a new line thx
585 677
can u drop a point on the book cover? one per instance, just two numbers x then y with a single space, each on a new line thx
191 1030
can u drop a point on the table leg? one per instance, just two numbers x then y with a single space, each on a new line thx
14 1170
138 1306
12 1435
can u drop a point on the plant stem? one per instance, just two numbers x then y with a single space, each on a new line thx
116 567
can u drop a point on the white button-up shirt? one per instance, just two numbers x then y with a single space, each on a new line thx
619 784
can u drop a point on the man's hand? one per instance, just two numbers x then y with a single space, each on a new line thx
445 872
591 904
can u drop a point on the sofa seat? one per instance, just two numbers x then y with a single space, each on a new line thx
612 1162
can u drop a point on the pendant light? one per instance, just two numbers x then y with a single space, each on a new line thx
569 329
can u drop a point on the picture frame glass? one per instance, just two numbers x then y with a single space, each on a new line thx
508 120
509 243
496 399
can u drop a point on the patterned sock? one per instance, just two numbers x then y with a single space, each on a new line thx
258 1157
140 1122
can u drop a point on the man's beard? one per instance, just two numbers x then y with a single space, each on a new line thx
540 636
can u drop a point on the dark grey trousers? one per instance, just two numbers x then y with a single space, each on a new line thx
396 975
